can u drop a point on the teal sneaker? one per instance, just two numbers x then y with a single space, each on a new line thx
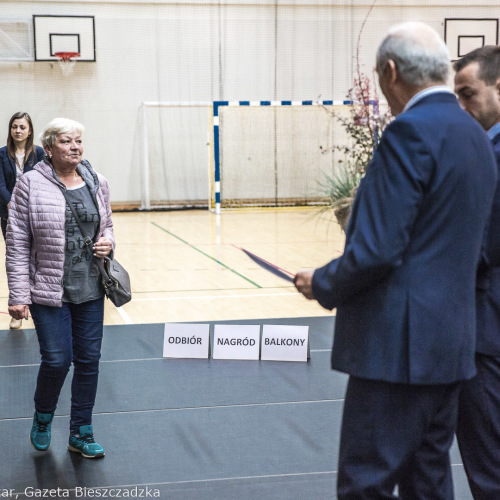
85 444
40 431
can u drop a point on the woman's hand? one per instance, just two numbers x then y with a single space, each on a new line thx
20 311
102 247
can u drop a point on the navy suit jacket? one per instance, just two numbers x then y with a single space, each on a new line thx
8 175
488 279
404 287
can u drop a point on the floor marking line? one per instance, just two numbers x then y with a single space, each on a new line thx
211 480
124 316
201 297
222 407
212 289
191 408
189 481
206 254
132 360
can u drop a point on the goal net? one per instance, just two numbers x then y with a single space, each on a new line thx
241 154
271 154
175 153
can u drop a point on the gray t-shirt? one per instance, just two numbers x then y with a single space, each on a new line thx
81 274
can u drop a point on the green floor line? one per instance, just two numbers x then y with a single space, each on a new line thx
206 255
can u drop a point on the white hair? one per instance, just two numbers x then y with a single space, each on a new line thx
420 54
59 126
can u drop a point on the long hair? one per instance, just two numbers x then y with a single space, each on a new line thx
29 147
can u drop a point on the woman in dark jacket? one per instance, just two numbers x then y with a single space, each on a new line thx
19 156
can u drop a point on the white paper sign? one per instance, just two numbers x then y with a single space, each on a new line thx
182 340
285 343
236 342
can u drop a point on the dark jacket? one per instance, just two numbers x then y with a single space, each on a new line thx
8 174
488 282
405 287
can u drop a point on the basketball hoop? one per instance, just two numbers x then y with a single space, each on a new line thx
67 61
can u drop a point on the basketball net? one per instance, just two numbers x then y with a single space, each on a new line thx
67 61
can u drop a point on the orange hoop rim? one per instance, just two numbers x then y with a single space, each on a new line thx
66 56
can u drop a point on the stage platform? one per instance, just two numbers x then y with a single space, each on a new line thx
184 429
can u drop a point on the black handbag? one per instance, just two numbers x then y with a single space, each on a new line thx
114 277
115 280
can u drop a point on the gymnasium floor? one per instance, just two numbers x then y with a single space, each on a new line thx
195 429
184 267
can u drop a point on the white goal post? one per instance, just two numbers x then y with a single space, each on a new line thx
231 154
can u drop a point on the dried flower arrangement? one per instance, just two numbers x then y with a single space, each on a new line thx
363 126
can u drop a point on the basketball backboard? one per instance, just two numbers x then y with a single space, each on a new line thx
464 35
54 34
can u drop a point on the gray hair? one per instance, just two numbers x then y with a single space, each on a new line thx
59 126
419 53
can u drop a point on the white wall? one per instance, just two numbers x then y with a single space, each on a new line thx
199 51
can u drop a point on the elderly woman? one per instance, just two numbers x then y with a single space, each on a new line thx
55 277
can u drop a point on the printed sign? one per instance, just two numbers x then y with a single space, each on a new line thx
285 343
183 340
236 342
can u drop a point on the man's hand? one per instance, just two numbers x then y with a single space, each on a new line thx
303 283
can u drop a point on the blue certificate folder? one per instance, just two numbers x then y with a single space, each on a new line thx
277 271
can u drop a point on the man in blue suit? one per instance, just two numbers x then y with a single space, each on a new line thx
477 84
404 287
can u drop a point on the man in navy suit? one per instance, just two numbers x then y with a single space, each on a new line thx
477 84
404 287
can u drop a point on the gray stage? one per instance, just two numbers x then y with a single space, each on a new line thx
184 429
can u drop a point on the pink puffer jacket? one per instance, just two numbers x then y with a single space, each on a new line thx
36 234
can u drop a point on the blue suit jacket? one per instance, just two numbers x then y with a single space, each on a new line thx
8 174
404 287
488 279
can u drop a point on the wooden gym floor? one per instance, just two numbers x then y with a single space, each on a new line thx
184 267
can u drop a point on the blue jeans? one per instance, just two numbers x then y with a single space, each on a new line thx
71 333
